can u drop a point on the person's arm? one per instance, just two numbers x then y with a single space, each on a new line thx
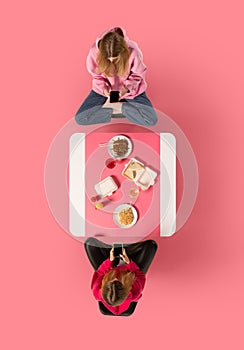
139 281
137 74
99 274
140 277
99 83
98 277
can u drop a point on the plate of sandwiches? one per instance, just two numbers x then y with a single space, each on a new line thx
133 170
143 176
125 216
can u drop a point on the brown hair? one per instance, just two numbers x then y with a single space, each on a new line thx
113 44
115 292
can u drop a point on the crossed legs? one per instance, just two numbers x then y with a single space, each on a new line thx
142 253
138 110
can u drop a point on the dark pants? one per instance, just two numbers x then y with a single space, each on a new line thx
142 253
138 110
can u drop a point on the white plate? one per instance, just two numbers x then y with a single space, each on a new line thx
110 147
118 210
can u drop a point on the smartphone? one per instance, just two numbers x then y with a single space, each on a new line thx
114 96
117 249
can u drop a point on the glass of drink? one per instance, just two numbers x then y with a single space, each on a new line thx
133 192
110 163
95 198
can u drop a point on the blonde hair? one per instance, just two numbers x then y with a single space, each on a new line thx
115 292
113 44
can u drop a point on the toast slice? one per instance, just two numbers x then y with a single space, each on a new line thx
133 170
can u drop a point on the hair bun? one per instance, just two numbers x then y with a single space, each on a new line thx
118 30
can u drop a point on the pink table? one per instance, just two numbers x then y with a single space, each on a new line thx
101 221
88 168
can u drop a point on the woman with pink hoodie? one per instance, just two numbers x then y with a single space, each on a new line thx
115 63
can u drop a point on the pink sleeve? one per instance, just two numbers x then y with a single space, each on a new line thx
137 73
139 281
98 276
99 82
132 266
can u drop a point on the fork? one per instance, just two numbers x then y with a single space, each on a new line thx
103 144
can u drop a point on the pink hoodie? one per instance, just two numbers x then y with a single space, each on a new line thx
134 81
135 292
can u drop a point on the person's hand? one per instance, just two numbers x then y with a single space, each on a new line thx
124 256
106 93
111 255
107 102
123 92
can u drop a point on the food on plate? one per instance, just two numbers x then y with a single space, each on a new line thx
126 216
133 170
120 147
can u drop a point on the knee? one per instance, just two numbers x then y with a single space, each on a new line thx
150 114
152 245
78 119
90 241
81 118
152 117
146 114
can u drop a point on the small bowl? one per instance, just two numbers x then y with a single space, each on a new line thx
115 155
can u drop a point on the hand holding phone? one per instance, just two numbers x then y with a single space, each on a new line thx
123 92
114 96
117 249
124 256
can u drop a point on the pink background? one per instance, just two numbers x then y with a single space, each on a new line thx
194 293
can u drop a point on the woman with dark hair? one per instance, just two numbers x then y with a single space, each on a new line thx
118 282
116 64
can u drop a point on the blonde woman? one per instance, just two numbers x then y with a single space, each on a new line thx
118 283
116 64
